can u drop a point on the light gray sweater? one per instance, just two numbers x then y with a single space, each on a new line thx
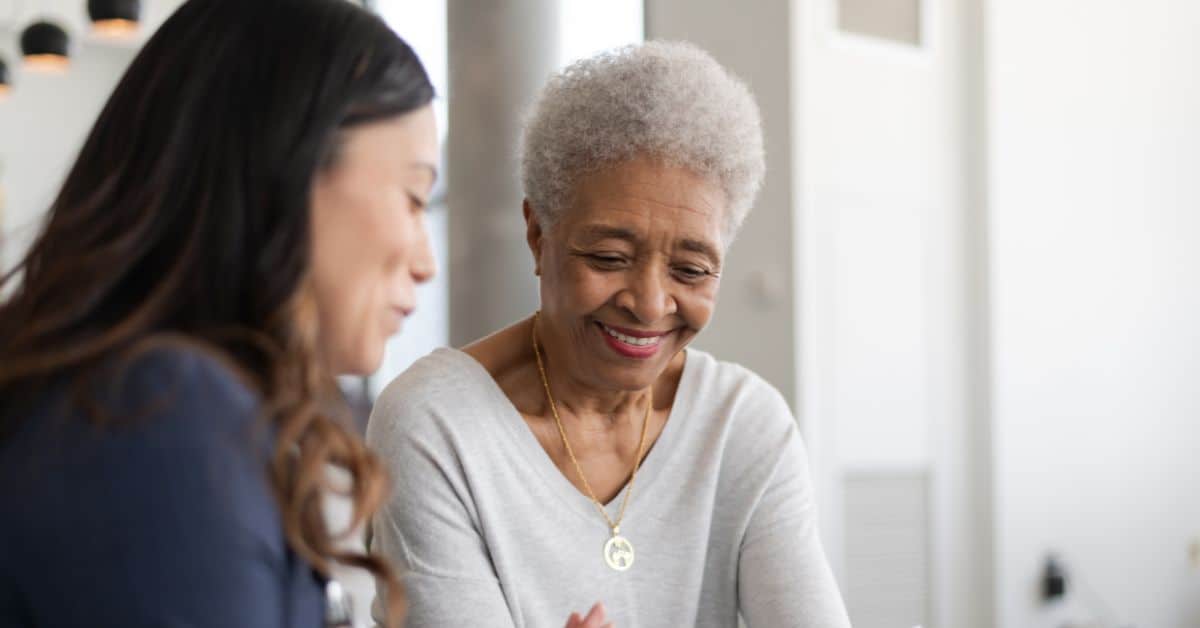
486 531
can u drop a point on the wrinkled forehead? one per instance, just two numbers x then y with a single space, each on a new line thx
642 199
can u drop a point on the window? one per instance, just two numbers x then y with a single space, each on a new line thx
898 21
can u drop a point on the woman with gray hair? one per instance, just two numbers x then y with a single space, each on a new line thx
585 453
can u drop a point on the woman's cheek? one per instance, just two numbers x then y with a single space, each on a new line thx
696 307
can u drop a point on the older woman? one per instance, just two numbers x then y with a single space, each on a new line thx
585 453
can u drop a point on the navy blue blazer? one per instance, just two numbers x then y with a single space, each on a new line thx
163 516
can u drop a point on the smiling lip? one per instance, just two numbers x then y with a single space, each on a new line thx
631 343
637 333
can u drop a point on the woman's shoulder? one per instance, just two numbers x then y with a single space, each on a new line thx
745 416
153 387
740 400
443 376
176 387
189 369
731 384
444 384
167 407
164 460
154 420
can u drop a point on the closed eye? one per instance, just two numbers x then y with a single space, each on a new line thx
606 261
691 274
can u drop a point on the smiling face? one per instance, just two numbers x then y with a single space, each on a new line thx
370 244
629 273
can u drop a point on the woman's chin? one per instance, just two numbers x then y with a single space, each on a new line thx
630 374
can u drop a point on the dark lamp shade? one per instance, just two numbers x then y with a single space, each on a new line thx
46 47
114 18
5 78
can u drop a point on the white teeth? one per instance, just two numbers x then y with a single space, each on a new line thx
630 340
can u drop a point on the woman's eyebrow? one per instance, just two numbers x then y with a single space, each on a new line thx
592 233
701 247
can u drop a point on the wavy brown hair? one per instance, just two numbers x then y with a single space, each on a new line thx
187 215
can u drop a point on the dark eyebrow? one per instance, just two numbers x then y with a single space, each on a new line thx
703 248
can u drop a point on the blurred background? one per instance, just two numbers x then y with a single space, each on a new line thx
974 269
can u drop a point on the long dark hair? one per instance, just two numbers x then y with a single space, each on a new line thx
187 214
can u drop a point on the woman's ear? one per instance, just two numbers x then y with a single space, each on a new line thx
533 236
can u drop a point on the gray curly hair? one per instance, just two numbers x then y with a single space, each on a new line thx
667 100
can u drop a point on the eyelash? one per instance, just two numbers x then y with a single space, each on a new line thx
685 274
692 273
418 203
608 262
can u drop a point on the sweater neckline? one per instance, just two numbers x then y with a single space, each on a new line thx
652 465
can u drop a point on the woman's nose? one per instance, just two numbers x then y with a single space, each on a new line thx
648 296
423 265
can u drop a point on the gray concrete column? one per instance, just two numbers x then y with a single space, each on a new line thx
500 54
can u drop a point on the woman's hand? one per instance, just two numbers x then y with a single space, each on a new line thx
595 619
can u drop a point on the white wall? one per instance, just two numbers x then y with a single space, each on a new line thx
45 118
42 125
1095 216
886 207
879 174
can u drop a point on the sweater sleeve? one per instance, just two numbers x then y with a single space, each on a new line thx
428 528
784 578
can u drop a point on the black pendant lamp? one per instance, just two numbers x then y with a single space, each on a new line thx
114 18
5 79
46 47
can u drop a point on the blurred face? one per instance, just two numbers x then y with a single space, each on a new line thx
629 273
370 244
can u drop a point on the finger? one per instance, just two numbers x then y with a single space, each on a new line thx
574 620
595 618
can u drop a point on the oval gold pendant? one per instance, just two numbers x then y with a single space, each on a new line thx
618 553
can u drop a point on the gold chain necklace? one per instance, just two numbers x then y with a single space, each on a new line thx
618 551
